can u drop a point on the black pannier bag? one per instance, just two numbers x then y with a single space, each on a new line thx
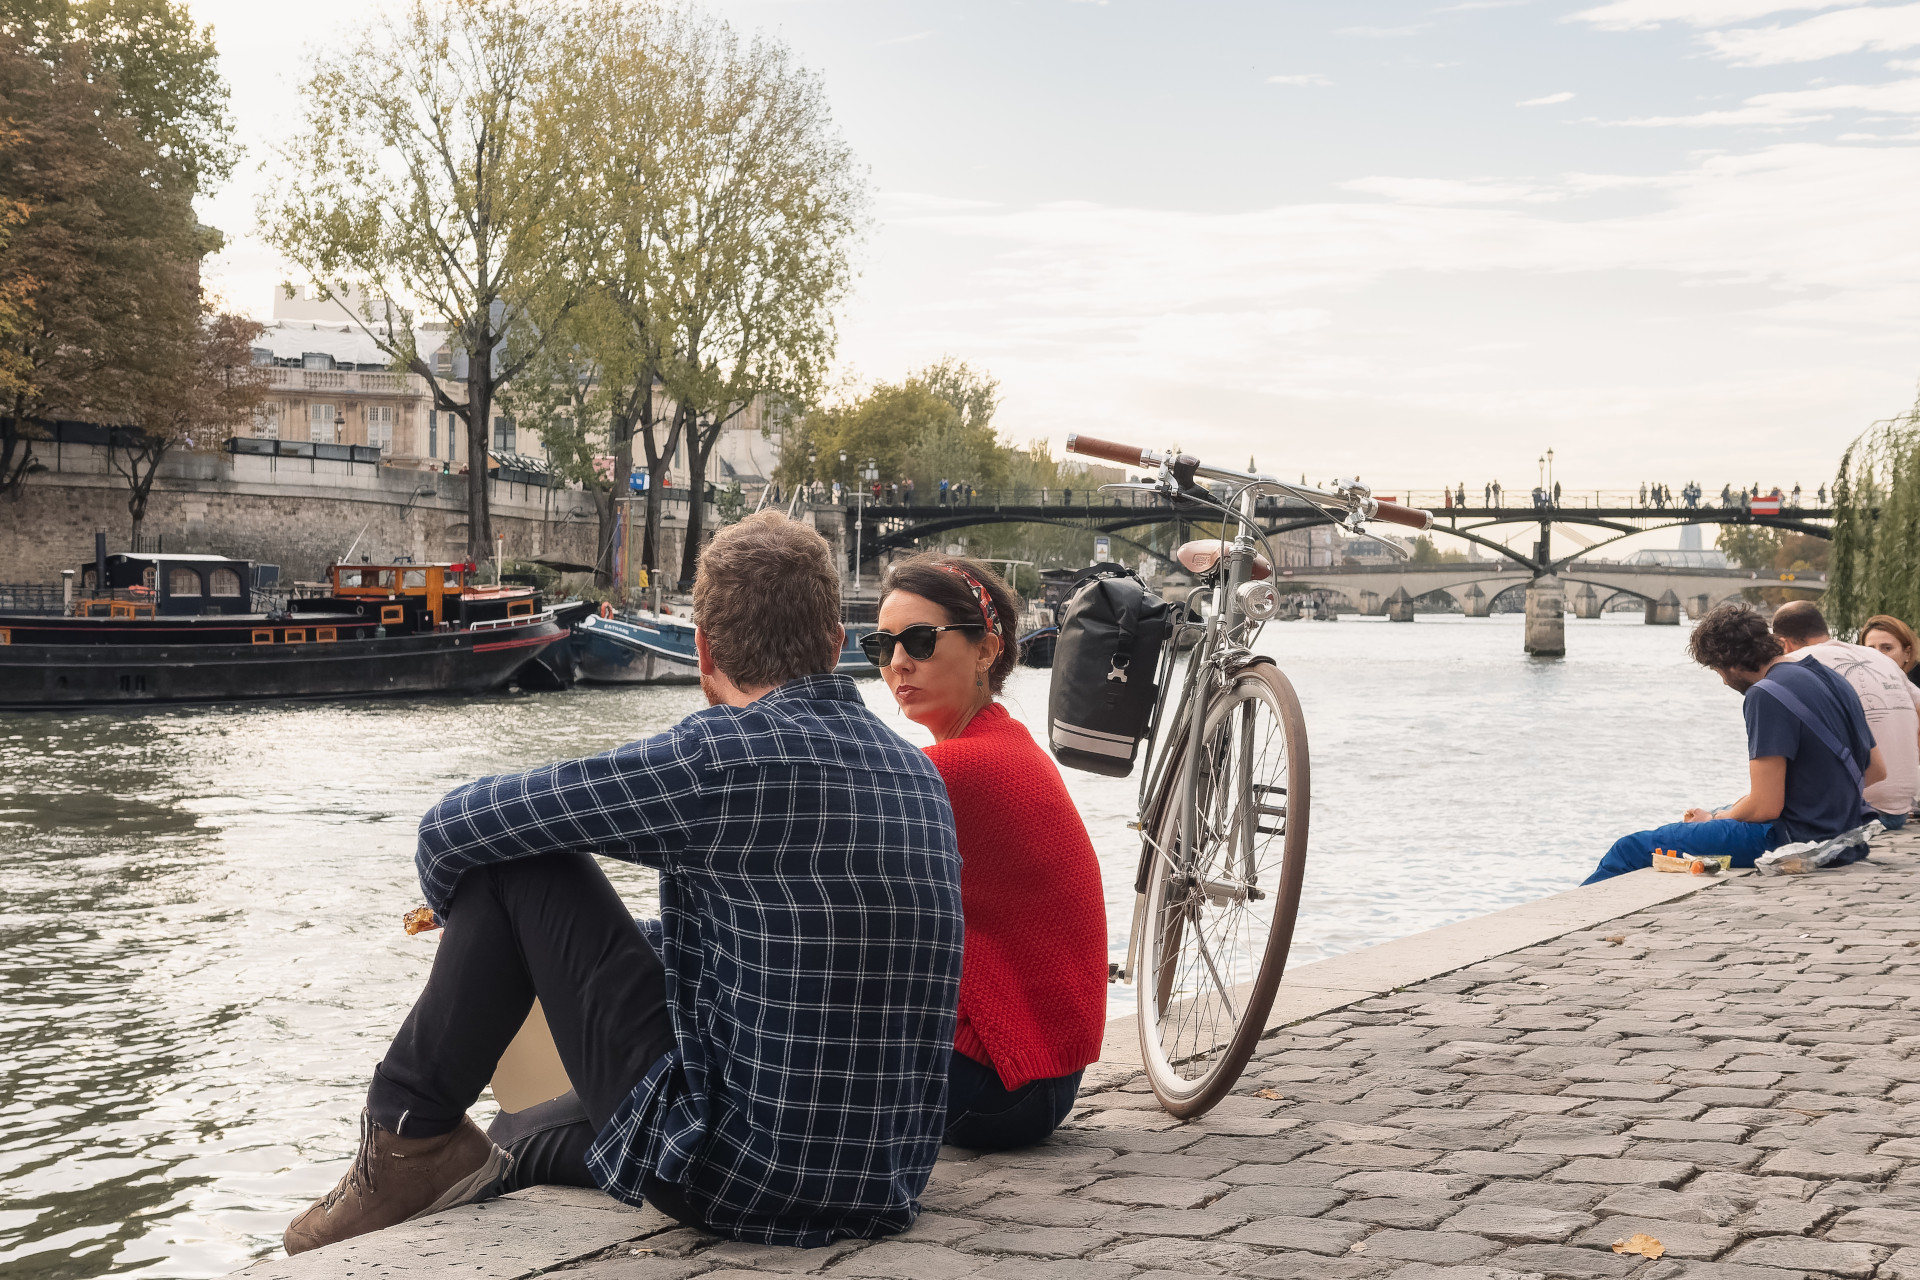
1104 667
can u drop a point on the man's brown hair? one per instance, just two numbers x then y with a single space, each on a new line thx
768 600
1733 637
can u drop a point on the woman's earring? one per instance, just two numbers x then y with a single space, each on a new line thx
979 681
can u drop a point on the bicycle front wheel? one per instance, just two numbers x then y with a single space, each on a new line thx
1220 910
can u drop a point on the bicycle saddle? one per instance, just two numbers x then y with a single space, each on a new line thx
1203 555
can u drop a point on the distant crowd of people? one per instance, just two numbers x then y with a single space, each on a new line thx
1833 735
1653 495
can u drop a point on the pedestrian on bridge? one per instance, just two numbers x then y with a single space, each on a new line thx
1486 494
909 490
1460 495
1643 493
1821 495
1497 499
1796 493
943 493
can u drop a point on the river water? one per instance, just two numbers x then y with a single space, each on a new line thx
200 949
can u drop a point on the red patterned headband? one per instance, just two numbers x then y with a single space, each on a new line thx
988 614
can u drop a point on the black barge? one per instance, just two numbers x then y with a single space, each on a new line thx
193 628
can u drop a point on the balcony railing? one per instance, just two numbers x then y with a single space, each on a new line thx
367 383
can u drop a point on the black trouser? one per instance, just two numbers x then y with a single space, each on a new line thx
551 927
985 1115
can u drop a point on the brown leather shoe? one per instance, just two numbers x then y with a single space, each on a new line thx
393 1179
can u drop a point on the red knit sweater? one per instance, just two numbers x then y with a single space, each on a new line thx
1033 983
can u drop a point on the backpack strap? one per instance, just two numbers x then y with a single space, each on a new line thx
1798 709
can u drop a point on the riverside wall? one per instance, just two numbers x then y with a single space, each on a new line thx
300 514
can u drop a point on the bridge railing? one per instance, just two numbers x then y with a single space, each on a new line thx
1092 499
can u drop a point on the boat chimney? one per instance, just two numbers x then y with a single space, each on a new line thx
66 590
100 559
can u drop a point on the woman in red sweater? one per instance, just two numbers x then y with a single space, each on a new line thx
1033 984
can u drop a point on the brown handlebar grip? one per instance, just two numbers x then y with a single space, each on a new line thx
1394 513
1125 455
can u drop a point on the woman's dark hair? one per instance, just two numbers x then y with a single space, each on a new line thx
924 576
1733 637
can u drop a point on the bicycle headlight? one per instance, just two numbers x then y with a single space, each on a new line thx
1257 600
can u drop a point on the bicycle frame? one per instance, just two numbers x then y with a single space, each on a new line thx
1220 651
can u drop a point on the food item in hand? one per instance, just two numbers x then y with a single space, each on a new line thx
419 920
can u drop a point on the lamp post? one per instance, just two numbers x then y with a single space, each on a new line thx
1549 472
867 475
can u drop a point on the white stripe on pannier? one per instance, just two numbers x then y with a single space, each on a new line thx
1067 738
1098 733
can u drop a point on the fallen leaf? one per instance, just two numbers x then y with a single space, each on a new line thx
1271 1095
1616 939
1358 1246
1641 1243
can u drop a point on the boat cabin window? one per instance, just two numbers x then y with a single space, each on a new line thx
88 578
413 578
452 577
386 578
223 582
183 582
148 576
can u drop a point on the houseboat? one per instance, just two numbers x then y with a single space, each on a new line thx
139 628
643 647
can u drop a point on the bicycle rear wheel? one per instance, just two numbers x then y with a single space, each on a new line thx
1219 916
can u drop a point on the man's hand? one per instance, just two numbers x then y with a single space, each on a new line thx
1697 815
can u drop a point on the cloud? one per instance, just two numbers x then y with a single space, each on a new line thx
1747 297
1881 30
906 39
1469 6
1312 78
1383 33
1803 106
1623 15
1547 101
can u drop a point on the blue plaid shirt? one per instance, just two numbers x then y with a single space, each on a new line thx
811 929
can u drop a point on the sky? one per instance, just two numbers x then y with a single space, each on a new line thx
1422 243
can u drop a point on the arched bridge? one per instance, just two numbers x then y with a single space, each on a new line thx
1590 585
1126 516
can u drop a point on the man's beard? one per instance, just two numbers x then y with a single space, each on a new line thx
712 690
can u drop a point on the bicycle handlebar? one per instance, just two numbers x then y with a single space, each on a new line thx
1394 513
1093 447
1132 456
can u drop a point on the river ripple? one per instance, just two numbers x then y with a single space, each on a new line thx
200 956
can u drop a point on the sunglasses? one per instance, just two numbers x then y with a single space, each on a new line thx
918 640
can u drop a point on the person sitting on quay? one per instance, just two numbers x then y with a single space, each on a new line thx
769 1060
1895 639
1810 755
1890 701
1033 988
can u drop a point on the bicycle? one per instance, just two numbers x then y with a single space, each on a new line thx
1225 794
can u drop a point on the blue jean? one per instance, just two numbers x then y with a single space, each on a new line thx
1891 821
1721 837
984 1115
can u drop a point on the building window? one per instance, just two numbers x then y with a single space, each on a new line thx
443 363
433 434
503 434
183 582
380 427
270 420
315 360
223 582
320 423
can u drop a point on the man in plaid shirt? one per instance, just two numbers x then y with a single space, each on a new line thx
769 1060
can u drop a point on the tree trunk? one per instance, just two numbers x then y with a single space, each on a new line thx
479 428
607 504
699 448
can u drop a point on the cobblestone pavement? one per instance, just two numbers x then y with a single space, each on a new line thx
1735 1074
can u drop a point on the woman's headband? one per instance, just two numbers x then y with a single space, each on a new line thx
988 614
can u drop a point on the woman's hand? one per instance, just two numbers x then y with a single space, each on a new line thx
1697 815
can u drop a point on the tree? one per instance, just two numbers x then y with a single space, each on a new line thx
102 260
759 250
192 390
1875 557
429 171
161 71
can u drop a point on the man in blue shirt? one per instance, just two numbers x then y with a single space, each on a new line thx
769 1059
1810 754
